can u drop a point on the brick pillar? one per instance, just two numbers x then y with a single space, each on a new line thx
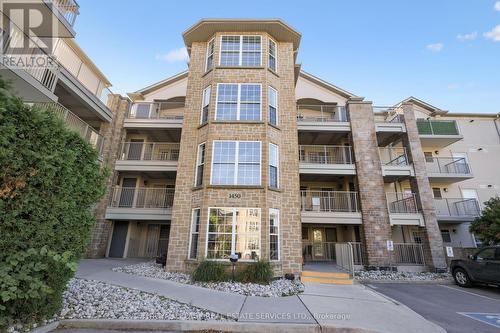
376 225
433 243
113 134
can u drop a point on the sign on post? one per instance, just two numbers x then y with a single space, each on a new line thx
449 251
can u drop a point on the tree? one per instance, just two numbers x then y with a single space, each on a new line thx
487 226
50 179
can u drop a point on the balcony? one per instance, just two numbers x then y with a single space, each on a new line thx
448 169
148 156
317 118
326 160
395 162
403 209
438 133
456 210
155 115
75 123
334 207
31 83
140 203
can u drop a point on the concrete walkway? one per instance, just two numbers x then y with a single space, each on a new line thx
352 306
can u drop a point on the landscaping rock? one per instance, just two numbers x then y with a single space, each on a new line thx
400 276
276 288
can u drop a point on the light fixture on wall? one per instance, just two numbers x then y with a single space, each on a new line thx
436 152
471 121
454 231
490 186
445 189
479 149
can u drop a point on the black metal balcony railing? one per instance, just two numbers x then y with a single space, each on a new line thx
457 207
448 165
437 127
317 154
322 113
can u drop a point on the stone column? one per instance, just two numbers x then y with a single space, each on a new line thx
432 241
376 225
113 134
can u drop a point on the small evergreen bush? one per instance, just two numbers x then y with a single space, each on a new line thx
257 272
210 271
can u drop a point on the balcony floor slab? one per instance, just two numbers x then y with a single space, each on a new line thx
331 217
126 213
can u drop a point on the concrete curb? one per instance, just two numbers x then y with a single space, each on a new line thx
186 325
47 328
445 282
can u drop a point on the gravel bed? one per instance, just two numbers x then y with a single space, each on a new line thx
276 288
400 276
85 299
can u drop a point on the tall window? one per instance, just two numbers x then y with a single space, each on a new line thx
205 105
273 165
233 231
200 164
273 106
238 102
240 51
274 234
236 163
195 231
272 55
210 55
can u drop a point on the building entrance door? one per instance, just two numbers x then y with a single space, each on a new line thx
318 246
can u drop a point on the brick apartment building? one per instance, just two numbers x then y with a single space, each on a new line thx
246 153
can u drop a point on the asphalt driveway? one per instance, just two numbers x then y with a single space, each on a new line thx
457 310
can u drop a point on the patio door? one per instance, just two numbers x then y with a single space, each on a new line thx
127 193
318 250
135 149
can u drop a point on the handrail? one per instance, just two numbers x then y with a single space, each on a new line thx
325 154
402 203
457 207
322 113
141 197
448 165
75 123
395 156
156 110
149 151
329 201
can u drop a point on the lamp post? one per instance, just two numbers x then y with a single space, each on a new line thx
234 259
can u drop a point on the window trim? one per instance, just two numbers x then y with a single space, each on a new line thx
277 165
240 52
275 70
198 164
209 88
278 233
207 55
238 102
191 232
233 232
236 162
276 106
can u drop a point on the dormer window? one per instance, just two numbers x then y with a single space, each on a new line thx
245 51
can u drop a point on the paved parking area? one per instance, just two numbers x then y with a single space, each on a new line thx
444 304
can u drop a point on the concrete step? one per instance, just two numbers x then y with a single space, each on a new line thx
326 280
335 275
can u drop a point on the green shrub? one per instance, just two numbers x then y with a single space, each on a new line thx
210 271
257 272
50 179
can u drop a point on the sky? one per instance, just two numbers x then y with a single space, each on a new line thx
444 52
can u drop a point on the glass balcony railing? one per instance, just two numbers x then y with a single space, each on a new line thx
437 127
